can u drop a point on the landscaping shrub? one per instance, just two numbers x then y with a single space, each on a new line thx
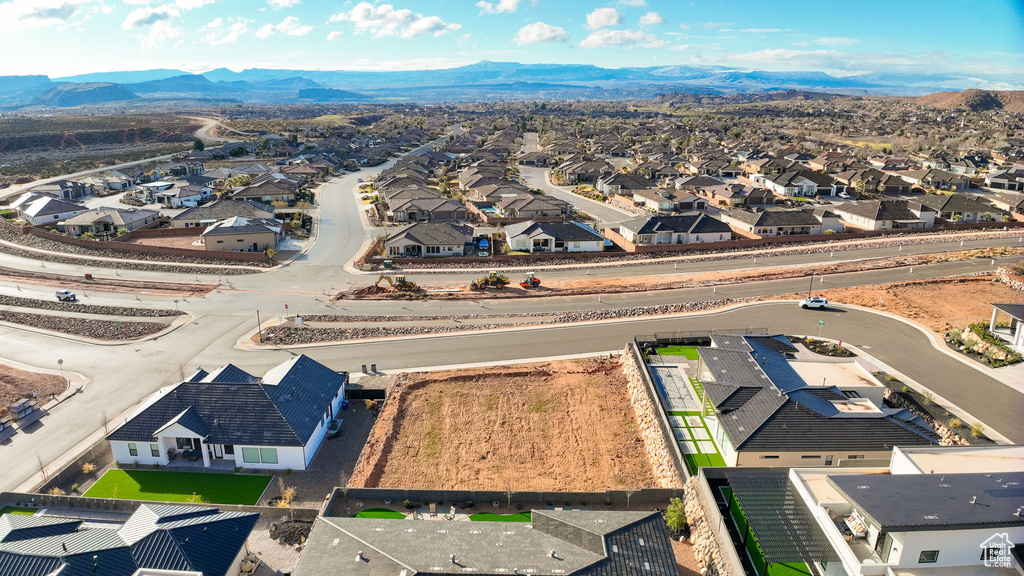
74 487
977 429
55 491
89 467
675 518
408 505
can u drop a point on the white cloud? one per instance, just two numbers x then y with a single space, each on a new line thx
717 24
498 7
143 17
290 26
38 13
633 3
277 4
630 38
332 36
228 35
192 4
837 41
384 20
539 32
651 19
684 26
603 17
760 30
215 23
680 47
159 33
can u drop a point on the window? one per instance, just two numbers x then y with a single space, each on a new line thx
855 457
850 394
775 457
220 241
239 240
928 557
133 450
810 457
154 449
268 455
433 249
229 448
251 455
183 443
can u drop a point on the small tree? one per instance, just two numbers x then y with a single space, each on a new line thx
198 145
675 517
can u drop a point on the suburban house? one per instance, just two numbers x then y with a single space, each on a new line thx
534 159
959 207
915 513
1013 332
737 194
667 200
681 229
105 222
66 189
187 196
561 542
800 184
535 237
38 209
426 239
1008 202
228 415
156 540
938 179
885 214
238 234
585 171
624 184
781 222
1005 179
763 408
266 191
874 180
532 206
202 216
426 209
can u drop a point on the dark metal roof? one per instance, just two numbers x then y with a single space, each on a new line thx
693 223
778 517
596 543
561 231
15 527
913 502
434 234
186 538
281 410
1015 310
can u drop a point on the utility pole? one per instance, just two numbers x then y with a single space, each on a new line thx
811 286
259 326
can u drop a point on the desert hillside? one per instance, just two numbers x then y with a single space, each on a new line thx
977 100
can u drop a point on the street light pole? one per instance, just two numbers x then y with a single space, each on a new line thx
811 286
259 326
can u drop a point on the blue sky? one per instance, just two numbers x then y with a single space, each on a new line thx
63 37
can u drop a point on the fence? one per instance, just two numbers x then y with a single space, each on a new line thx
649 497
684 337
662 412
40 501
123 247
99 454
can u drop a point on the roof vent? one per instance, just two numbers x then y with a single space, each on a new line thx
974 499
359 556
1020 510
453 559
552 553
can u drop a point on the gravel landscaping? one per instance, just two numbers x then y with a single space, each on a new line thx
86 308
288 335
155 266
60 247
98 329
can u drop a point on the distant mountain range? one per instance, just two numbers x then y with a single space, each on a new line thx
481 81
977 100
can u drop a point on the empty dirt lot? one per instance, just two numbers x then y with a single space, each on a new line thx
564 426
15 384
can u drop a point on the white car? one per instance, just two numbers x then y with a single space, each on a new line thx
816 302
844 195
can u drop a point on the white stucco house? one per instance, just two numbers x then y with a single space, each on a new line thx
274 422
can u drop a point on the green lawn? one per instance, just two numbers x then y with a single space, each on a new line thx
681 413
695 461
160 486
379 513
690 352
16 510
488 517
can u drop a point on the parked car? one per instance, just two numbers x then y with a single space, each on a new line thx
844 195
815 302
66 296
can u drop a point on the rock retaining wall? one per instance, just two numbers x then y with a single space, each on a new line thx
666 472
947 437
706 547
1010 279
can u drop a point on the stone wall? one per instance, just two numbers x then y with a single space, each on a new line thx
706 546
947 437
649 425
1010 279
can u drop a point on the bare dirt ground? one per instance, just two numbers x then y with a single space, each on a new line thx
15 384
105 284
558 426
185 242
938 304
588 285
686 563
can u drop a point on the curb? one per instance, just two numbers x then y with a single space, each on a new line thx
177 323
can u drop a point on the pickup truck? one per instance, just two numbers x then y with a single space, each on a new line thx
66 296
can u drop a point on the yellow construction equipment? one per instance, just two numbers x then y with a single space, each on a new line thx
492 280
398 283
530 280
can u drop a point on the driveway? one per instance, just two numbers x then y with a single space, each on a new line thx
605 213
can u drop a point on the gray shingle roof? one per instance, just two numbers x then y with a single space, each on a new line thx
911 502
1015 310
187 538
283 409
691 223
585 543
561 231
881 209
434 234
778 217
224 209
